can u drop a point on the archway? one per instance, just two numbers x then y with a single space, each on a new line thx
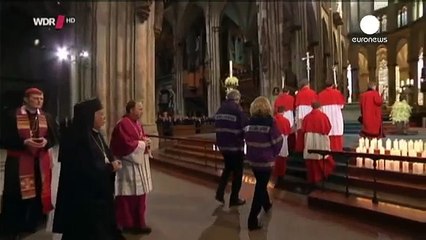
402 68
382 72
192 37
363 70
239 44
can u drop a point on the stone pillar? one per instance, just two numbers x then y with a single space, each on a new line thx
372 62
413 75
213 52
145 66
353 60
178 76
272 45
391 58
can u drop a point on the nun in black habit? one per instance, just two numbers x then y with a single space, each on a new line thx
85 202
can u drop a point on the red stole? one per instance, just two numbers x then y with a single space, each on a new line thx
27 158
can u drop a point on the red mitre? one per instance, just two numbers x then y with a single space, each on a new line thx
30 91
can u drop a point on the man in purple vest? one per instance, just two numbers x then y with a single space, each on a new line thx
229 123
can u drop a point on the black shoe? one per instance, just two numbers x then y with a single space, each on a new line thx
238 202
267 208
220 199
253 227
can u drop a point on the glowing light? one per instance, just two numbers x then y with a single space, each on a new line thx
62 53
84 54
36 42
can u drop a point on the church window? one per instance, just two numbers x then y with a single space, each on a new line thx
383 23
420 64
399 18
404 19
378 4
420 8
383 78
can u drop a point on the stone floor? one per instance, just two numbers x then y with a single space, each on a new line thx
184 208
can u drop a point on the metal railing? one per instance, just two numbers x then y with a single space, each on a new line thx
348 156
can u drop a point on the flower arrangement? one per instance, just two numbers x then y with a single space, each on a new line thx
231 83
401 112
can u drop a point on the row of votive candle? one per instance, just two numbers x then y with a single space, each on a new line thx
391 165
402 144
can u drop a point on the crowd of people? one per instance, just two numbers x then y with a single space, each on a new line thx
291 124
102 187
166 122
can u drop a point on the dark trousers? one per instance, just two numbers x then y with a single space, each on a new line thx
233 164
20 215
261 197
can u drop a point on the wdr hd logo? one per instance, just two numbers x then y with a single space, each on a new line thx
369 25
57 22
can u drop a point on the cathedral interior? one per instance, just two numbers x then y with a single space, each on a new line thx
267 41
174 56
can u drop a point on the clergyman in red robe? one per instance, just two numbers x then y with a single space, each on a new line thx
130 144
286 100
332 102
27 134
371 112
316 128
303 104
284 127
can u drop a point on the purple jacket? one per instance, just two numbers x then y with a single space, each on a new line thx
264 142
229 123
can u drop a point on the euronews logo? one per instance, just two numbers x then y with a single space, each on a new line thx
369 25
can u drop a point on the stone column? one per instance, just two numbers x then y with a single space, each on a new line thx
213 52
391 58
272 45
145 65
372 62
353 60
178 76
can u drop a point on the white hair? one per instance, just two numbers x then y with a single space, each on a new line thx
233 95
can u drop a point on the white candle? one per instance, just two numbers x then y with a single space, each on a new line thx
388 144
395 144
418 168
395 152
373 143
423 145
405 167
412 82
230 68
381 164
361 142
403 145
368 163
367 143
411 153
396 166
282 82
402 83
359 161
410 145
388 165
380 144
